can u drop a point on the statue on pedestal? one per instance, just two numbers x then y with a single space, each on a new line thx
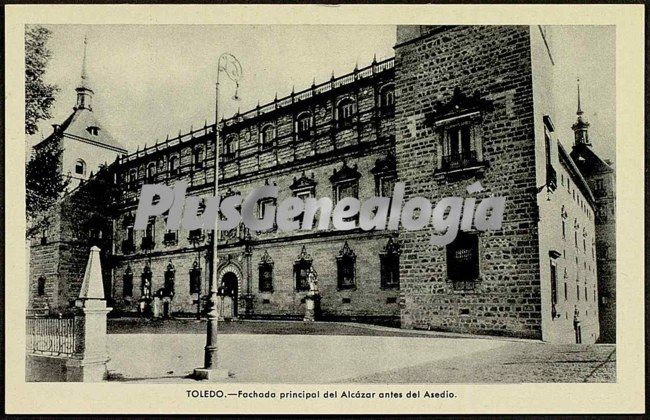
312 300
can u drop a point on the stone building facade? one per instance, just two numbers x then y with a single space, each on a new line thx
600 176
457 105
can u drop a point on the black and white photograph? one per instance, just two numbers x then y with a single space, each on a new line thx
369 204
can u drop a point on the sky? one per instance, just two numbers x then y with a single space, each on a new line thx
151 81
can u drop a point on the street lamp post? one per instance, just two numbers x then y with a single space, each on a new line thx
211 371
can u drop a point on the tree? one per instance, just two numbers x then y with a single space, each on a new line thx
44 181
39 96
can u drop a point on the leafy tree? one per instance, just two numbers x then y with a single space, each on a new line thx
39 96
44 181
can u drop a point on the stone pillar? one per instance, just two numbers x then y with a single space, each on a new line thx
91 353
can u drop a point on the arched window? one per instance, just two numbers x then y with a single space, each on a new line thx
345 110
80 167
93 130
173 165
198 157
387 99
151 173
303 124
268 135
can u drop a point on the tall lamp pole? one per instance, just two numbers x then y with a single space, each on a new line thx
231 66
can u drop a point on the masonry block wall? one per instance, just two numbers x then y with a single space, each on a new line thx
431 62
59 252
248 160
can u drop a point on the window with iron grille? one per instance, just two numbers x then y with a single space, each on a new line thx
389 265
463 261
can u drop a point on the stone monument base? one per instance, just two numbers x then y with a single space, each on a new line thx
312 308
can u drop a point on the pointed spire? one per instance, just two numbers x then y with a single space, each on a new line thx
579 112
581 126
374 59
84 74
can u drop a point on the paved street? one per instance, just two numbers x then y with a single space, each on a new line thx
292 352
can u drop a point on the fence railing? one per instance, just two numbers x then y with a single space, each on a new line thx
51 336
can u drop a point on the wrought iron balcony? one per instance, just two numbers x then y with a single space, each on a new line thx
196 236
459 160
170 238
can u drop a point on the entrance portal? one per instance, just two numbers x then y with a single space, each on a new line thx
230 285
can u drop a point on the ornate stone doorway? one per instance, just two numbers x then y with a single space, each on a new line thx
230 286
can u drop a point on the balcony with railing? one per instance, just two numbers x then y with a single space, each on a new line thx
459 160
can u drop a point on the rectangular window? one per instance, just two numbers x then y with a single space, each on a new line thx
577 291
458 149
566 291
266 277
345 272
463 261
389 271
385 185
347 189
300 271
195 278
563 229
40 286
553 283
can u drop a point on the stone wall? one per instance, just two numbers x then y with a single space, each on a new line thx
496 62
79 220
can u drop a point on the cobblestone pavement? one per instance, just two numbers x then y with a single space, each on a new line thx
516 362
293 352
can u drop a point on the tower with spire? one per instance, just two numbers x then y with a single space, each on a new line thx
581 126
85 143
600 177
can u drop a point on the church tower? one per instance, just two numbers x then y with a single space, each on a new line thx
85 143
